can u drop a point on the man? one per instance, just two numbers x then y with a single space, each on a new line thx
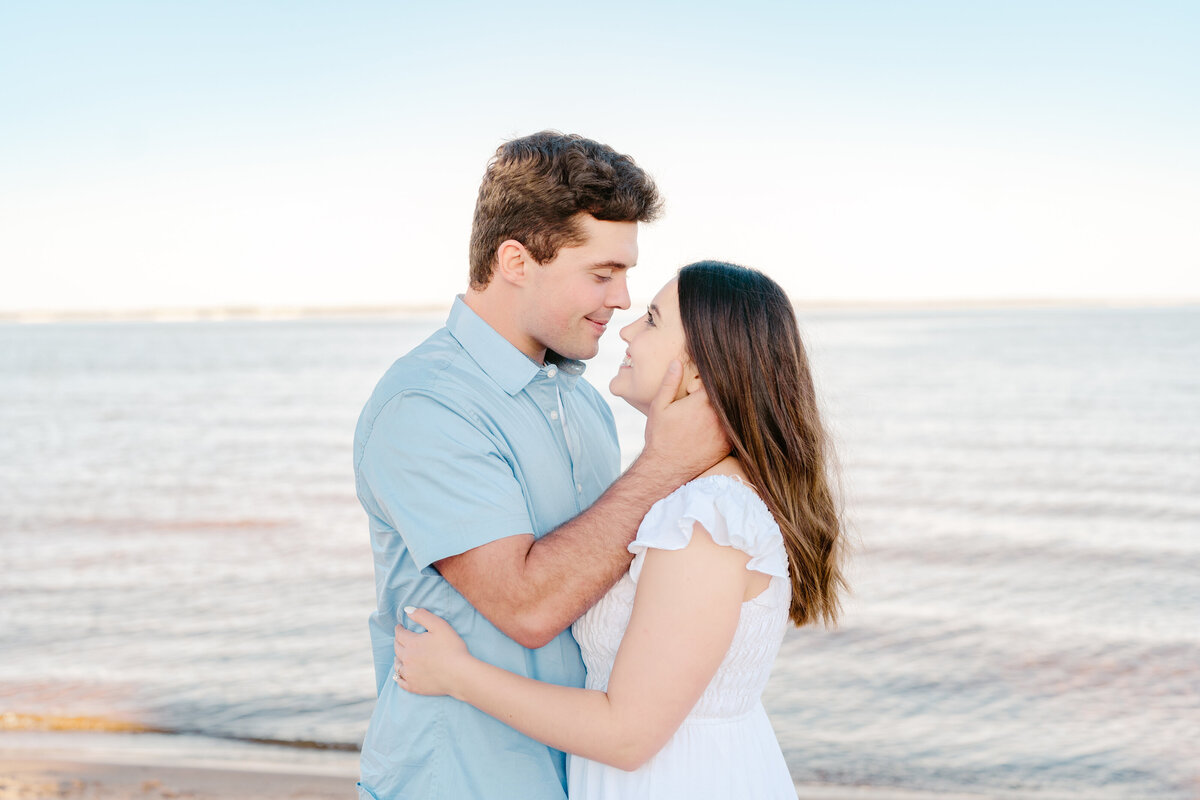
484 463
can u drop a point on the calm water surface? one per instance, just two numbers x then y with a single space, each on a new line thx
180 545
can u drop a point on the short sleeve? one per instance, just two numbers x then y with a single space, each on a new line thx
439 479
730 511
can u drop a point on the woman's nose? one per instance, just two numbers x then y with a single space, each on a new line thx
624 333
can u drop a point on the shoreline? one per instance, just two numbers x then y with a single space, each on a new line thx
124 766
43 778
153 766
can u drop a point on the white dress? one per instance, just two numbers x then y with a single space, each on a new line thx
725 748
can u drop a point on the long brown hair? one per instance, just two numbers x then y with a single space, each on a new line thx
742 335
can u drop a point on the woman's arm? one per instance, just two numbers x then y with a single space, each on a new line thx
684 616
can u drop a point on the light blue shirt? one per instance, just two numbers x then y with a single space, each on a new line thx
465 441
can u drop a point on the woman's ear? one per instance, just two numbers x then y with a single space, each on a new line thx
691 378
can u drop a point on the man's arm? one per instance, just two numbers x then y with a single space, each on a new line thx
533 589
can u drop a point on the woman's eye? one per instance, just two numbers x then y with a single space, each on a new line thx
649 318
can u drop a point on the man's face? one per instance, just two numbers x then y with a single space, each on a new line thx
572 297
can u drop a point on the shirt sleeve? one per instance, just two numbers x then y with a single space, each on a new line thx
441 481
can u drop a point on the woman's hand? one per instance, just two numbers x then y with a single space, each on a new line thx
428 663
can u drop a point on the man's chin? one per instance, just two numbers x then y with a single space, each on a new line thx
581 353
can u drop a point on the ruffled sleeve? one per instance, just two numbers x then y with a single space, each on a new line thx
730 511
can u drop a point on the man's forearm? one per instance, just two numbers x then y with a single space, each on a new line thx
571 568
532 589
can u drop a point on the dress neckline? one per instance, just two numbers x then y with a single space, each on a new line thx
736 479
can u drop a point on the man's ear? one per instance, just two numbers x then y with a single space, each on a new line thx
513 262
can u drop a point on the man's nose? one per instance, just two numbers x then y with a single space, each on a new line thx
618 292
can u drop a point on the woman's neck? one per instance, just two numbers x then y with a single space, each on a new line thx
727 466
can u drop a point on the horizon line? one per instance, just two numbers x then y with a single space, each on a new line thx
297 312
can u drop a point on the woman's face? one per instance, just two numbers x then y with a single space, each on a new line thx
654 342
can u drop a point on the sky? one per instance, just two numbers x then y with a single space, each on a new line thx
280 154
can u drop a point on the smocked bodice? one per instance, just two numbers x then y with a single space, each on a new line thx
734 516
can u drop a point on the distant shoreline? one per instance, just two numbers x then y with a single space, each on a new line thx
218 314
267 313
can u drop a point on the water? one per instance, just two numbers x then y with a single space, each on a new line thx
180 546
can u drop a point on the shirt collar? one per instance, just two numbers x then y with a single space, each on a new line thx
511 369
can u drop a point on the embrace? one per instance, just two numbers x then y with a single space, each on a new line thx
510 555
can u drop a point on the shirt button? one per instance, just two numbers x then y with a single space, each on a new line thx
579 488
551 371
553 415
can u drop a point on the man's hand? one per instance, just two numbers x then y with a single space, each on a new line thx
683 437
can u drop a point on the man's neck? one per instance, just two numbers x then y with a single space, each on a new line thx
497 312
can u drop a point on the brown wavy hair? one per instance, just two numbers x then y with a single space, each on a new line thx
536 187
742 335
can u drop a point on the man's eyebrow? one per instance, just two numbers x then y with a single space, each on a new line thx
610 265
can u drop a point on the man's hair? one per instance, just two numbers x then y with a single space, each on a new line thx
536 186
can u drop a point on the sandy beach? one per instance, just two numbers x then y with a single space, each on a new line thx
67 779
151 767
105 766
24 780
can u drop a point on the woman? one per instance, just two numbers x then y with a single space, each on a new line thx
679 650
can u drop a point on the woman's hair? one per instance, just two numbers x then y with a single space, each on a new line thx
536 187
742 335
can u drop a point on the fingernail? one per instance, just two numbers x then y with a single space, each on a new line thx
409 609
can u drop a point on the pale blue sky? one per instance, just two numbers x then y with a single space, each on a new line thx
297 153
